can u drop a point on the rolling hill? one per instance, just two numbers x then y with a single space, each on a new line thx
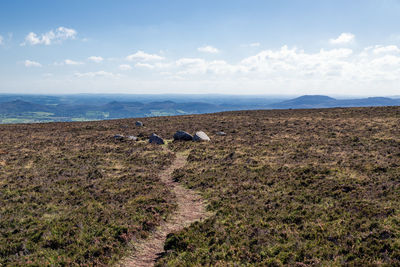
282 187
321 101
20 109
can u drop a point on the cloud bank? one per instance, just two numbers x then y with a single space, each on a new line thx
286 69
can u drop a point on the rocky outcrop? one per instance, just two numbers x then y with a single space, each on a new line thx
155 139
183 136
201 136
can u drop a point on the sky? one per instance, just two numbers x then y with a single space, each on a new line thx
261 47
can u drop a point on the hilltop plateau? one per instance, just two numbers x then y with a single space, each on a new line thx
281 187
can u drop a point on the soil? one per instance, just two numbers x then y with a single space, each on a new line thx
190 208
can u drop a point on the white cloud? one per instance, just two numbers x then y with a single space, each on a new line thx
199 66
125 67
50 37
101 73
144 65
71 62
324 68
142 56
379 49
68 62
1 40
344 38
208 49
65 33
281 68
30 63
294 62
191 66
32 39
96 59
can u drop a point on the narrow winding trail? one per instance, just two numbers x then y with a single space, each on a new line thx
190 208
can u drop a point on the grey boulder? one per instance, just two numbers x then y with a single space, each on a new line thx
139 123
201 136
155 139
221 133
182 135
119 137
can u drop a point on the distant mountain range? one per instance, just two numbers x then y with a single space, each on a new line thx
46 109
321 101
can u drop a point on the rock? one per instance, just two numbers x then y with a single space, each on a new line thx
119 137
221 133
182 135
139 123
132 138
155 139
201 136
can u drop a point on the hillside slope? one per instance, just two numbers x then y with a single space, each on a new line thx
321 101
286 187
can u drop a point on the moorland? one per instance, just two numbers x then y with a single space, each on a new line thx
284 187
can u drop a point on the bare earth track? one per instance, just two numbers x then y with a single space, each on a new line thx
190 208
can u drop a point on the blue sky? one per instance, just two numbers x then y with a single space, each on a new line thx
236 47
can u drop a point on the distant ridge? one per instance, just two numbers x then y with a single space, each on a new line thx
43 109
322 101
18 106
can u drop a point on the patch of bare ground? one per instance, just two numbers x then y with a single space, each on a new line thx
190 208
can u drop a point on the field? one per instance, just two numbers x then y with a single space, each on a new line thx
285 187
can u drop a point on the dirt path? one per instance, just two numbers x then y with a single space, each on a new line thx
190 208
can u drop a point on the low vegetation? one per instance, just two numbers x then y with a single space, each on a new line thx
70 194
314 187
288 187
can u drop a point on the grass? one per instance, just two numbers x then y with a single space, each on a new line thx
286 187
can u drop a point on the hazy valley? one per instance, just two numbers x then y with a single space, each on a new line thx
36 108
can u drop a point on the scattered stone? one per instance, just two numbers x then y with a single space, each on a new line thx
132 138
221 133
139 123
201 136
155 139
119 137
182 135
